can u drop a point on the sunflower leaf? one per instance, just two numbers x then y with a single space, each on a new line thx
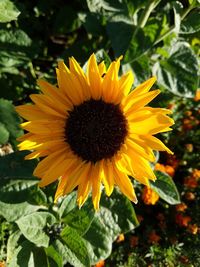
8 11
80 219
166 188
10 119
180 72
33 227
75 249
116 216
28 255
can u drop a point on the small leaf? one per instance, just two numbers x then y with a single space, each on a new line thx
8 11
13 165
4 134
165 187
180 72
75 249
54 257
68 203
116 216
80 219
28 255
191 23
33 226
10 119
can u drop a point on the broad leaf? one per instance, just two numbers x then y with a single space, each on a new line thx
191 24
28 255
8 11
33 227
54 258
4 134
75 249
116 216
165 187
10 119
179 73
80 219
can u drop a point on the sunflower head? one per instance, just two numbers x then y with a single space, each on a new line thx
90 131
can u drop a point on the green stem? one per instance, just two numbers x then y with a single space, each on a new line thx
147 11
145 15
171 29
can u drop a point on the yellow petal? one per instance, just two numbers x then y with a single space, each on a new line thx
78 72
46 104
94 78
132 102
126 82
152 125
57 168
55 94
110 84
96 185
125 185
134 146
32 112
107 176
155 143
70 84
102 68
144 87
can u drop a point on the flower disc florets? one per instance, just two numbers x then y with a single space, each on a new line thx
95 130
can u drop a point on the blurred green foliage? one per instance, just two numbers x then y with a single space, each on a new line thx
155 37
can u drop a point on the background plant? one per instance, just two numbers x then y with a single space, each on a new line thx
155 37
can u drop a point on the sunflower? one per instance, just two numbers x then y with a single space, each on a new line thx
91 132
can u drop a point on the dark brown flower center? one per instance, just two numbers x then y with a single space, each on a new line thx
95 130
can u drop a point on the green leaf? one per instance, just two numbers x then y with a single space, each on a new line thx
108 7
12 212
165 187
80 219
75 249
116 216
120 34
141 69
19 194
15 37
13 165
54 258
12 245
68 204
191 23
179 73
8 11
28 255
63 25
33 227
10 119
4 134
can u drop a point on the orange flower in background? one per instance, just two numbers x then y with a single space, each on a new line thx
189 196
134 241
165 168
182 220
149 196
190 182
181 207
196 173
197 96
120 238
172 161
193 229
100 264
153 237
